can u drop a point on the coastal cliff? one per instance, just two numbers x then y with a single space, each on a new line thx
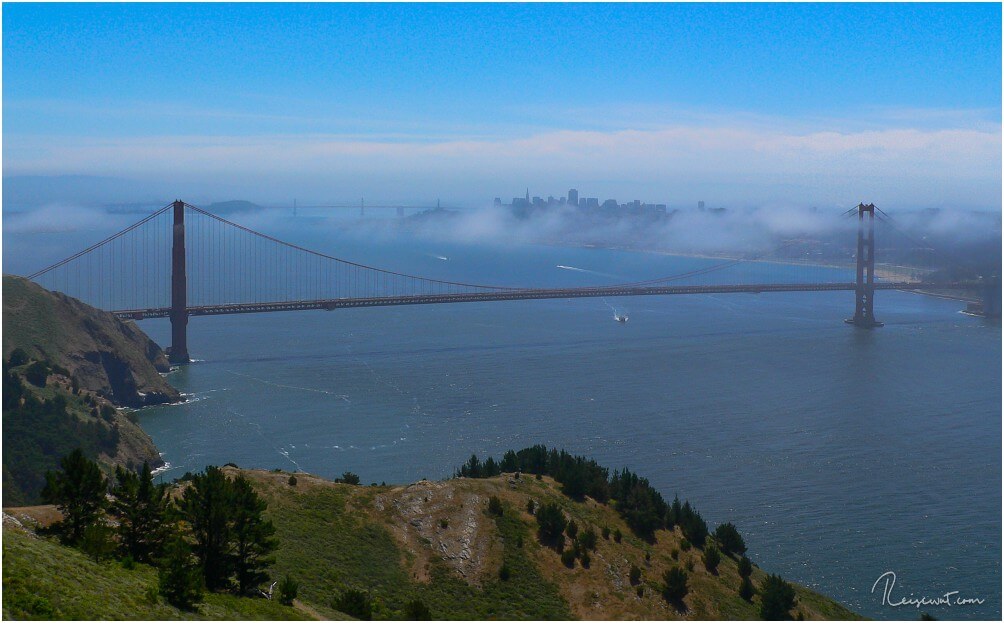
112 358
69 369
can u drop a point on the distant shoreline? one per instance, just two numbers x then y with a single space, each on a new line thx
902 273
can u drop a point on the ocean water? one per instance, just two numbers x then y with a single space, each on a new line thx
839 453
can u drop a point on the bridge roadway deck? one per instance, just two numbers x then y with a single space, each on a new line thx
516 294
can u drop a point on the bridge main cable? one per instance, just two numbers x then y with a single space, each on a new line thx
344 261
97 245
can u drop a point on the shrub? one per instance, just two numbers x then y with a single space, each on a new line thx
416 610
675 586
711 558
128 563
504 572
37 373
495 506
568 558
675 554
640 591
18 357
745 567
685 545
551 524
530 506
292 480
354 603
444 523
571 529
746 590
288 590
730 540
777 598
689 565
97 541
588 539
617 535
348 478
634 576
585 560
606 533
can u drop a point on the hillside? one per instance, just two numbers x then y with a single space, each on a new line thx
437 542
106 355
45 580
72 367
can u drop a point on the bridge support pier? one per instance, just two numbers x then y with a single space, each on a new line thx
864 292
177 353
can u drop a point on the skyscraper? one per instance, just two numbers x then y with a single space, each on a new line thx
573 197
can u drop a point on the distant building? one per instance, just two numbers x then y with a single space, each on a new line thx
592 203
498 202
700 205
573 197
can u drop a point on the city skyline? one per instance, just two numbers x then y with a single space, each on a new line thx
740 105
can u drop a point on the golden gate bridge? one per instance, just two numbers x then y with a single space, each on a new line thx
183 261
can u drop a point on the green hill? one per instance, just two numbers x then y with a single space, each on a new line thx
435 542
45 580
67 369
107 356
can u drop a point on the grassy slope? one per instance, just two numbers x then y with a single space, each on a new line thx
430 541
336 536
44 580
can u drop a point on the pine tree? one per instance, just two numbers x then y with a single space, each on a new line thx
729 538
207 507
180 578
78 491
551 522
746 590
777 598
675 588
253 537
97 541
711 558
141 509
745 567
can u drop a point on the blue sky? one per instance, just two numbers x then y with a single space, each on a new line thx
740 103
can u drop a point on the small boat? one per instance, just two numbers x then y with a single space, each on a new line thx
622 318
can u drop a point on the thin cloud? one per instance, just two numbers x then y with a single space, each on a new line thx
918 166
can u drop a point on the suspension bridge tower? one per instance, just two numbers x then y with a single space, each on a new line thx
864 291
178 352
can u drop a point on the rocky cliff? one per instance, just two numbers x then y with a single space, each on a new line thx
106 355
